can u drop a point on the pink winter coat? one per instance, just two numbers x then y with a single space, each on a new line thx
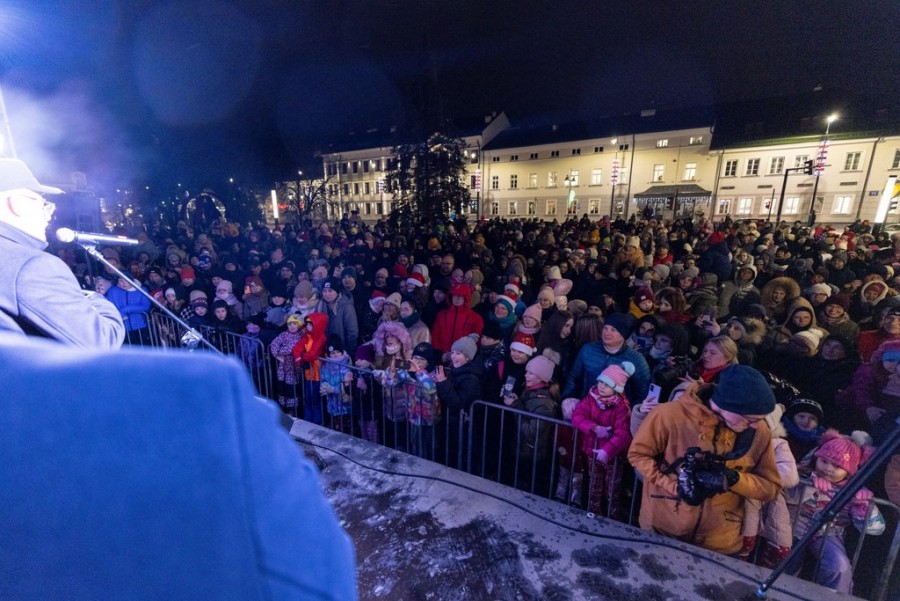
588 414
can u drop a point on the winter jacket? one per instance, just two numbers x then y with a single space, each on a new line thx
461 388
281 346
535 432
589 413
735 292
667 433
454 322
341 321
41 297
334 387
132 305
593 358
309 348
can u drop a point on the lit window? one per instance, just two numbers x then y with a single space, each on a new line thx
842 205
659 171
531 209
513 207
791 205
800 159
594 206
366 187
724 206
690 171
551 207
662 143
495 208
696 140
596 176
532 180
551 179
745 206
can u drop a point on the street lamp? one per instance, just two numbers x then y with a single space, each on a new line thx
821 156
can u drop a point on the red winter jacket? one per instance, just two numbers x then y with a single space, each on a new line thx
454 322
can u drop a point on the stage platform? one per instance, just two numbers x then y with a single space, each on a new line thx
426 532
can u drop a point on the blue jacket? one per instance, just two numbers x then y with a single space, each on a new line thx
167 479
593 358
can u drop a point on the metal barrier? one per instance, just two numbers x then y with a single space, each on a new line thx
859 545
164 332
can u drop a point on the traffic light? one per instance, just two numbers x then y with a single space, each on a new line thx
808 167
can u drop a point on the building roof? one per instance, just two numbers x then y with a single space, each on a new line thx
647 121
800 118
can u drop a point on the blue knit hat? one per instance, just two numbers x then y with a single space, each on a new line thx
743 390
621 322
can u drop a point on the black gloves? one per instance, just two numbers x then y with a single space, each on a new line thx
699 481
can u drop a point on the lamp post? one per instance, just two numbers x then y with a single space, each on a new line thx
821 156
614 179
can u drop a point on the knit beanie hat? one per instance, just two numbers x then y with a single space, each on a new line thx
805 406
524 343
507 302
168 290
542 367
465 346
737 323
187 273
332 283
334 344
426 351
808 339
492 330
533 311
846 452
295 319
615 376
621 322
200 302
743 390
819 289
546 294
303 289
643 294
349 272
365 352
841 299
577 307
394 299
195 294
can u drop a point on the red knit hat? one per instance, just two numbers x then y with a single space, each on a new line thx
643 294
524 343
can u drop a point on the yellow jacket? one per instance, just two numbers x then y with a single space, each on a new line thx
663 438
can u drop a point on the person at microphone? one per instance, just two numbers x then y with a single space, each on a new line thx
39 294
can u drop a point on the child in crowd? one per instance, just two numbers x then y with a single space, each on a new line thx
367 411
642 303
836 459
803 426
535 435
286 373
772 520
604 416
569 458
334 384
424 409
306 355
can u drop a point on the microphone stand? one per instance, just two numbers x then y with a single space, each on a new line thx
191 338
882 453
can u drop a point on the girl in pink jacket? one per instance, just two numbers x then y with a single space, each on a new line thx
604 417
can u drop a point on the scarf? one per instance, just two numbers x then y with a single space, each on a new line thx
505 323
802 435
833 322
604 402
411 320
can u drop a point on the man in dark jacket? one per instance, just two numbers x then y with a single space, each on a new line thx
342 321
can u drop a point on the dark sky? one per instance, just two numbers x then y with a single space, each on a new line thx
201 90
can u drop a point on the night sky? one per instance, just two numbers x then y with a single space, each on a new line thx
202 90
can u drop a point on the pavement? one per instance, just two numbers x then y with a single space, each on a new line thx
424 531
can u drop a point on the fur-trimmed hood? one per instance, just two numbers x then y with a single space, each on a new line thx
398 331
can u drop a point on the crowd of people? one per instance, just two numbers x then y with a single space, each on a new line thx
599 323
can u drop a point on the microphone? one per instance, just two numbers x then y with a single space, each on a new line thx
64 234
